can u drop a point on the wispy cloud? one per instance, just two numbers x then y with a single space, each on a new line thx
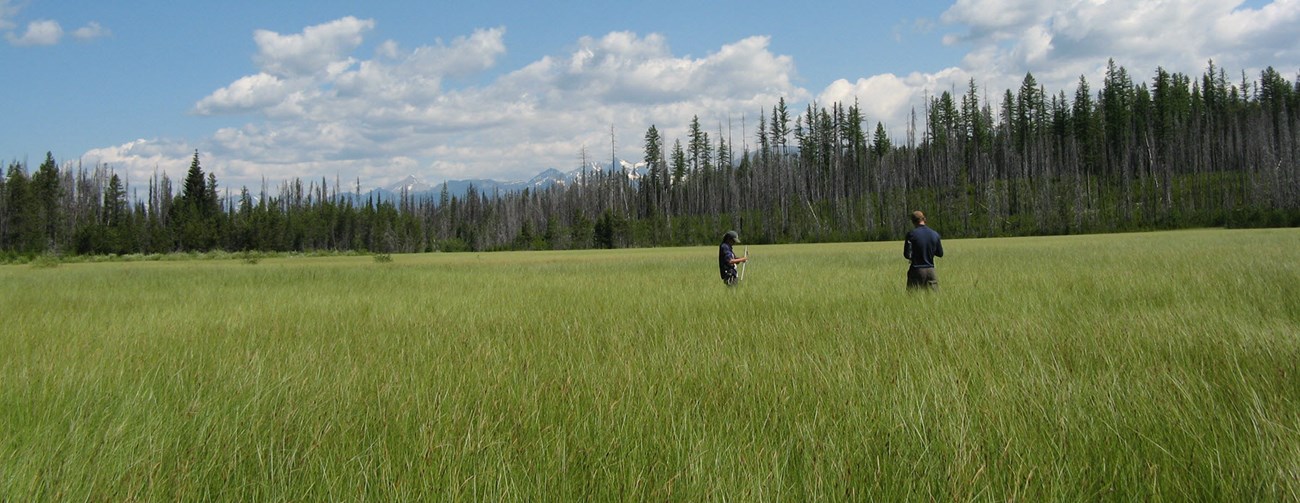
7 13
91 31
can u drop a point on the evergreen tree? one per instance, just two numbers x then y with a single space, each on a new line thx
654 150
881 143
115 205
678 163
854 134
1029 107
194 211
1086 127
115 219
1117 97
48 193
723 152
22 233
697 146
652 188
780 129
193 191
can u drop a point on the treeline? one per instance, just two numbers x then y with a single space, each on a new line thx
1175 152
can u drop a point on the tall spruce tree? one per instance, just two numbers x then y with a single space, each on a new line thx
193 213
652 189
48 193
881 144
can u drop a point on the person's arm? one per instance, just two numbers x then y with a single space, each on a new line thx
907 247
735 261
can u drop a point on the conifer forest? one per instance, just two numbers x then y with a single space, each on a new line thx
1172 151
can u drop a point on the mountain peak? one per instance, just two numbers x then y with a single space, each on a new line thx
411 184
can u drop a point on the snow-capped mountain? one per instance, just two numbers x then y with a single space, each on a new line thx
409 185
634 171
414 187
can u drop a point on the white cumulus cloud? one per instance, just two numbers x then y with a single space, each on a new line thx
415 77
890 99
43 32
321 109
317 108
1059 40
139 160
1267 34
317 49
251 93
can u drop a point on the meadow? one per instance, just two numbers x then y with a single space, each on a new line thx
1146 366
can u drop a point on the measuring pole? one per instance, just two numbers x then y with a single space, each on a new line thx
745 263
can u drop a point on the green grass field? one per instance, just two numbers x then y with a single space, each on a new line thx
1159 366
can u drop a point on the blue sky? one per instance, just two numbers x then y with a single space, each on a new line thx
377 91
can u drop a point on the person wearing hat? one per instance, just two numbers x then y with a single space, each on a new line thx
920 248
727 258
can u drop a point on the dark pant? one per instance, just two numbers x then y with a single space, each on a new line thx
922 278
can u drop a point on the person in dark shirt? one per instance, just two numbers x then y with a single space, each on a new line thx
727 258
921 247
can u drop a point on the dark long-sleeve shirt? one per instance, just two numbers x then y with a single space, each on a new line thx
725 256
922 246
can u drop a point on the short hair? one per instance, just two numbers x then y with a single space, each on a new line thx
917 217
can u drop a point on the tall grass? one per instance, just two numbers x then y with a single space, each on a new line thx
1119 367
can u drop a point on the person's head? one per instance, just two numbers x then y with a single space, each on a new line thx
918 218
731 237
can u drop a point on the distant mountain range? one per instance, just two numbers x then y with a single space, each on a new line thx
416 188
